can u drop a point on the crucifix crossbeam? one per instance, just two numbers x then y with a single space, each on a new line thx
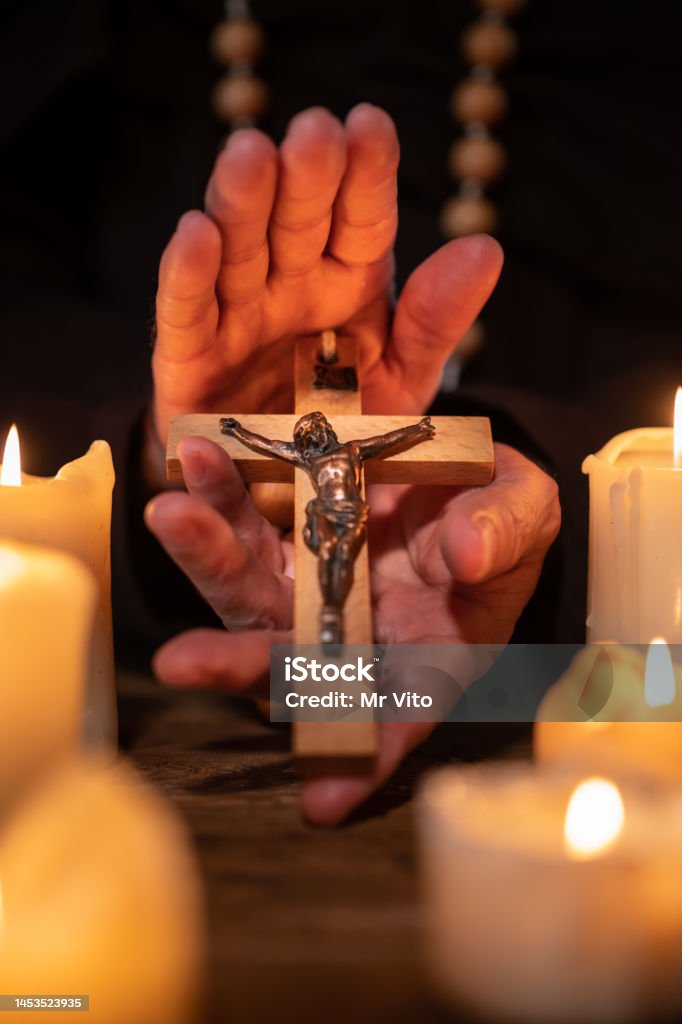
457 452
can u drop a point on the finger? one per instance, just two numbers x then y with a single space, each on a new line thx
488 530
439 302
211 475
327 800
236 662
366 210
312 162
239 199
186 306
240 588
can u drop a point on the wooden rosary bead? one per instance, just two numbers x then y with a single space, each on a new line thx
475 100
237 41
506 7
239 96
489 43
481 159
467 215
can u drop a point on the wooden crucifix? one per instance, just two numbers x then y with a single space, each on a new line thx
456 451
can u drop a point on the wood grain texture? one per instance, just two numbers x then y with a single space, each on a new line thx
328 747
460 453
304 924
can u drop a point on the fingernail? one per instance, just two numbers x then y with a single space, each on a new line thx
188 218
240 142
172 529
193 464
165 665
485 526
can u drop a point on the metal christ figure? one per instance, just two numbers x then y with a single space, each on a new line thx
336 519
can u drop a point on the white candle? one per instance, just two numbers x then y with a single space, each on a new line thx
99 896
47 608
72 512
541 916
635 554
615 709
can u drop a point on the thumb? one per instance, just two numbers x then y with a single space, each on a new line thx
326 800
439 302
488 530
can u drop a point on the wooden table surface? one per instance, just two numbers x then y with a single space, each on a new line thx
304 924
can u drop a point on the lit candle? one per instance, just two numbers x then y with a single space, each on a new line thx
635 556
551 903
615 709
71 512
47 608
99 896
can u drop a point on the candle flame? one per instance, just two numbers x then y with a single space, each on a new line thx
677 429
594 818
659 675
10 474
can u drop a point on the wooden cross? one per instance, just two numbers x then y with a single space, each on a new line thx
326 380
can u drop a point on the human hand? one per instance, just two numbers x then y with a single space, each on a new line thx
293 241
448 565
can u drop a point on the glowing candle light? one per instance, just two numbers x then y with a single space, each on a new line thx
10 474
71 512
594 818
637 726
47 610
100 897
659 675
552 898
635 553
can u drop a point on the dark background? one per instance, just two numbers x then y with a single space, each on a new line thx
108 136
